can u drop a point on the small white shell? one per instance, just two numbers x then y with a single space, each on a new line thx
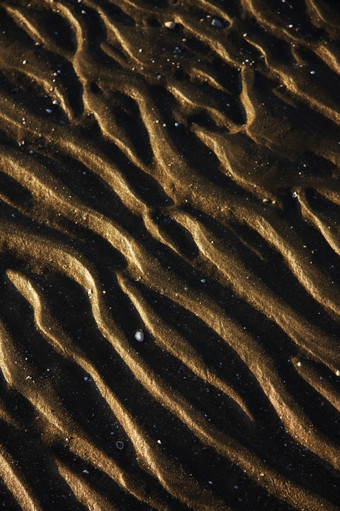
170 24
139 335
217 23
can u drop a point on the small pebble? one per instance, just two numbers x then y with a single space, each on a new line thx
139 335
86 472
294 195
171 25
337 372
119 445
216 23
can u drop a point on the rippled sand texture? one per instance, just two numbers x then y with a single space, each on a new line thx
183 181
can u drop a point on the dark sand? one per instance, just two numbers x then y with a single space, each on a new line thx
183 181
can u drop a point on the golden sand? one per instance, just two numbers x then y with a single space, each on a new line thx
169 244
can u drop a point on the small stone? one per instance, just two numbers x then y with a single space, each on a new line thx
299 364
312 72
294 195
86 472
48 110
337 372
176 124
171 25
119 445
217 23
86 378
139 335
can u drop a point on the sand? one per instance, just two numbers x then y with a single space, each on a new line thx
169 245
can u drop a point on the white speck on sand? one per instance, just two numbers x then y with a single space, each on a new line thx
139 335
216 23
171 25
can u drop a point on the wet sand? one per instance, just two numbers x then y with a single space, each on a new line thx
169 244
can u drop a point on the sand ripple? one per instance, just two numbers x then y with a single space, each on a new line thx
183 181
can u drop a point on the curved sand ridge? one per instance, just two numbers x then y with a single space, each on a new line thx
183 181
